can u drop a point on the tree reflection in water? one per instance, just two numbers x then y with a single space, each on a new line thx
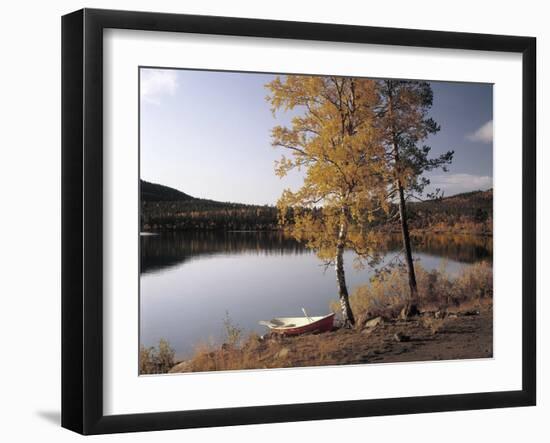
172 248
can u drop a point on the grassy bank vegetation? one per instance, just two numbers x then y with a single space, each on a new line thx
156 359
443 297
386 295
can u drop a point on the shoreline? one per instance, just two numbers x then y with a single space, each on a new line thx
464 332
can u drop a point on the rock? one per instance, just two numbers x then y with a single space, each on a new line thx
183 366
373 322
361 320
283 353
438 314
400 337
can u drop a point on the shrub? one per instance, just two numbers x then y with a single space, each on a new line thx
156 360
232 331
387 293
476 282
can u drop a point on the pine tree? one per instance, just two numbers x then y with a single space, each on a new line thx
403 121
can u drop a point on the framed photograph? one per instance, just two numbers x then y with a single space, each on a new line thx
269 221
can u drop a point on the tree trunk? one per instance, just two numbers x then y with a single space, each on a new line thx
402 209
407 245
347 314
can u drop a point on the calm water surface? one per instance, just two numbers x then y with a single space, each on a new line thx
189 280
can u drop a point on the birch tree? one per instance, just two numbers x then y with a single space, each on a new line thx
333 139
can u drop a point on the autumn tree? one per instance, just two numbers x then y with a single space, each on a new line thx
333 139
404 123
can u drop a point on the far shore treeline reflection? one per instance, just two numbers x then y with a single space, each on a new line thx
161 251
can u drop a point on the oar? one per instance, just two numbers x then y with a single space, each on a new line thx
307 316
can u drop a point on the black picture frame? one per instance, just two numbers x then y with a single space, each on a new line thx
82 219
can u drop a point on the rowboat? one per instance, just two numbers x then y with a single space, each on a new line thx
299 325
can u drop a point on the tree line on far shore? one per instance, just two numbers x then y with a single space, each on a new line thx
468 213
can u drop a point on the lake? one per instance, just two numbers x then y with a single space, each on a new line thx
191 280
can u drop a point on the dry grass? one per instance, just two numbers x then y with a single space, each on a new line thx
251 353
283 352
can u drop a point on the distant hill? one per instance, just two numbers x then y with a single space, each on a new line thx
153 192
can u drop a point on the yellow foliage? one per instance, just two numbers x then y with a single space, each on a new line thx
335 139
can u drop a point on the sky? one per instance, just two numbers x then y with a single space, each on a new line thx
207 133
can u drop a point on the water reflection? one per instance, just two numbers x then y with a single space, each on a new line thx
458 247
170 249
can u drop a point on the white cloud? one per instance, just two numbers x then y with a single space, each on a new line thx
452 184
484 134
156 82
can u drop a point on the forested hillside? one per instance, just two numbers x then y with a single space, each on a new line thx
167 209
470 212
